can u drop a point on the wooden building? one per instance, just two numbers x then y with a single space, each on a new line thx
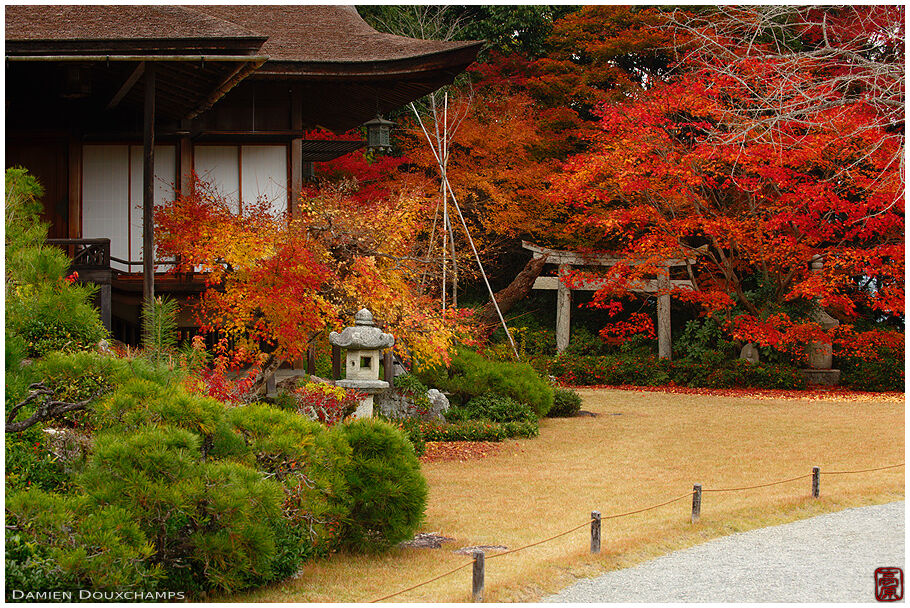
115 107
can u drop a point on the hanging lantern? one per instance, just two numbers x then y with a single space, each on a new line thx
378 131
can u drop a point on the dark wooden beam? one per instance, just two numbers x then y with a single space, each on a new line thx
128 84
148 187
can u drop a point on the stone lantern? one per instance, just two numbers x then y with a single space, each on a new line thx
363 343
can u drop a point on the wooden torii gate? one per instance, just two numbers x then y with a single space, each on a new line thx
566 259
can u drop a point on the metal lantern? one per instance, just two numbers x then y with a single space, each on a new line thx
378 131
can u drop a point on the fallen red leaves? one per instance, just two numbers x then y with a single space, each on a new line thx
816 394
447 451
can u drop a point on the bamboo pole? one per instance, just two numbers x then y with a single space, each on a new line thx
467 233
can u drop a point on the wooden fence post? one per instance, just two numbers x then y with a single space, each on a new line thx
477 586
696 502
595 531
815 479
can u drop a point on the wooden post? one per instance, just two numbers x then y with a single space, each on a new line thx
815 480
388 365
477 583
696 502
595 531
336 362
311 360
296 185
563 310
664 330
148 187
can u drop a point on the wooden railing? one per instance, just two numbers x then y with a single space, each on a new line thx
88 254
91 259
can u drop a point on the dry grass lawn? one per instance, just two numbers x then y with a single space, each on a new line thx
640 450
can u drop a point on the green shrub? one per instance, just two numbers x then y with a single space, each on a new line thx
43 308
415 390
63 543
388 491
704 341
212 524
470 375
411 427
30 464
140 403
885 372
566 403
479 430
308 461
492 407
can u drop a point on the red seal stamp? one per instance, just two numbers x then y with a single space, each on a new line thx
889 584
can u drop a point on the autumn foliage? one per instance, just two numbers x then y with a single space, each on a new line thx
274 283
682 172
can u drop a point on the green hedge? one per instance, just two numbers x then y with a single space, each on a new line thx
478 430
883 373
651 371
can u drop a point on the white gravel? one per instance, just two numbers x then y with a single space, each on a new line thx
828 558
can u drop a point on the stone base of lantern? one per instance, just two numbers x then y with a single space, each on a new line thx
821 377
370 387
365 409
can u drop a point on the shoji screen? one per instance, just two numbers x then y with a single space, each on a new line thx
112 195
220 167
165 185
264 173
105 197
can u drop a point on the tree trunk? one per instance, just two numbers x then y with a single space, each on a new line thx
268 369
518 289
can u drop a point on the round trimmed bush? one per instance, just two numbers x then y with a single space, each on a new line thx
565 403
388 492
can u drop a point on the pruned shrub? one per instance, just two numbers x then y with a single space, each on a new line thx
212 524
470 375
412 429
139 403
492 407
478 430
58 543
651 371
388 492
566 403
308 461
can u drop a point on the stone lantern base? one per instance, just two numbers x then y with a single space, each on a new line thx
370 387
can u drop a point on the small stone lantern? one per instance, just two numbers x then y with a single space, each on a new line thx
363 343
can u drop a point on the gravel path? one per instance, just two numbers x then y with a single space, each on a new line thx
828 558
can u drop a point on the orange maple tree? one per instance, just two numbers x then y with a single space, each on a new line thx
684 172
274 283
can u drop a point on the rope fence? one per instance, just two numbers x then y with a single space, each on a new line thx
479 558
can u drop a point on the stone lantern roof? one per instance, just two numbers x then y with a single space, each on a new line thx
363 336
